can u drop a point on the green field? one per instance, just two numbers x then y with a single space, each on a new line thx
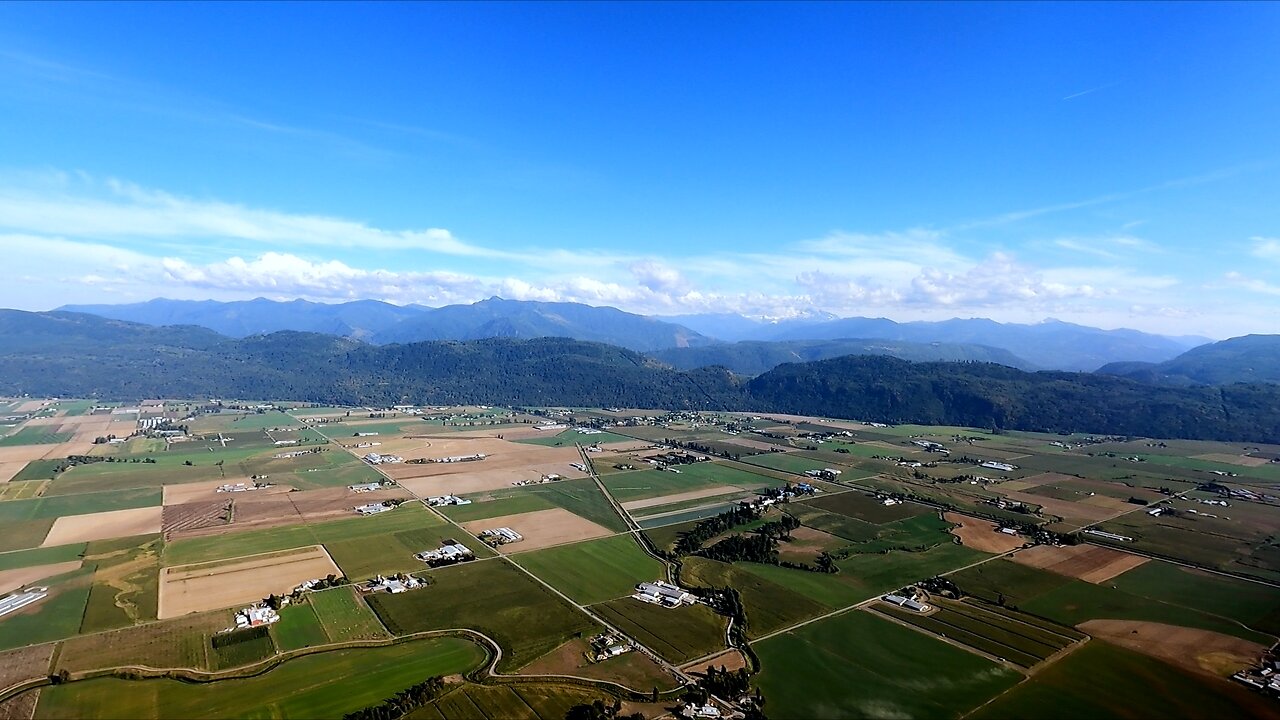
241 647
36 435
37 470
593 571
860 665
996 635
409 516
867 508
298 628
1101 680
24 534
1253 604
393 552
677 634
1070 602
345 616
126 582
524 617
55 507
329 684
643 484
500 702
789 462
770 604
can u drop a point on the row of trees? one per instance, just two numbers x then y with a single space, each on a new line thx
403 702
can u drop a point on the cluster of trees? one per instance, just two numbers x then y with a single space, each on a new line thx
691 540
600 710
751 548
403 702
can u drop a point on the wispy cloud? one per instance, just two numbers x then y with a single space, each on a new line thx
1090 91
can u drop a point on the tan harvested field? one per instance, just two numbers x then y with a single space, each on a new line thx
210 586
1201 651
25 663
21 707
1065 509
264 509
31 406
206 491
9 469
11 580
1090 563
633 669
982 534
542 528
474 477
1049 478
104 526
681 497
806 544
23 453
1241 460
728 660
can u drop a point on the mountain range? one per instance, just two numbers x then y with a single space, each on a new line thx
80 355
1050 344
1247 359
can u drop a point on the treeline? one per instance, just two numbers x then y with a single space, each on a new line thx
403 702
692 540
71 355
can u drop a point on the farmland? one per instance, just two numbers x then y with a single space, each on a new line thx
117 541
859 665
501 602
593 571
324 685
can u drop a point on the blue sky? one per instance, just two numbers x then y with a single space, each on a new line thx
1111 164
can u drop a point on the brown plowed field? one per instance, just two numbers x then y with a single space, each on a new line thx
11 580
103 526
227 583
1201 651
633 669
1090 563
1065 509
25 664
259 509
982 534
541 528
729 659
194 516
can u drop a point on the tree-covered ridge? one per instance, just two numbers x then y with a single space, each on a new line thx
70 355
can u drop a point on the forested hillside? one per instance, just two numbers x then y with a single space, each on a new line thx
70 355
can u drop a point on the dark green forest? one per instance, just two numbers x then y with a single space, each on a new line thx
76 355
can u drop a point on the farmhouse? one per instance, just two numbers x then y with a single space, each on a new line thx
459 458
1108 535
663 593
447 500
371 509
286 442
551 426
365 434
255 616
447 554
1003 467
394 585
242 487
376 459
365 487
905 602
500 536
